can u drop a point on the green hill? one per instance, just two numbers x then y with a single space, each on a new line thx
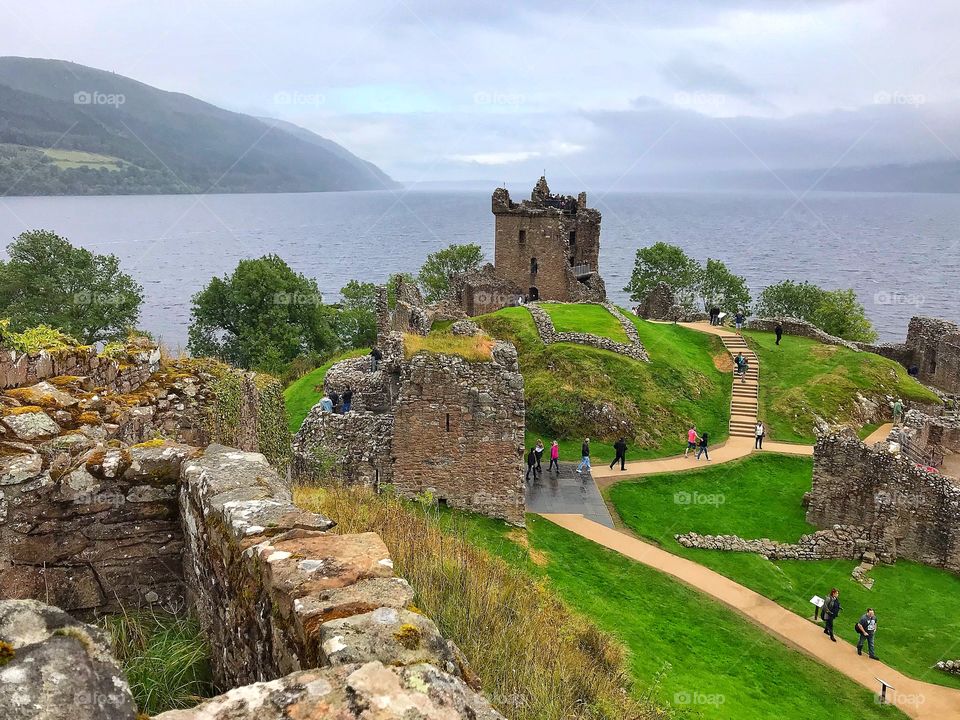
574 391
166 142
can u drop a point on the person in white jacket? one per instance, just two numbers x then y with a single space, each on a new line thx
758 433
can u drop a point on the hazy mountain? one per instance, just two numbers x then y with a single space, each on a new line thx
70 129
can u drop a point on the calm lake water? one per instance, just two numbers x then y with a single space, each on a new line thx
901 253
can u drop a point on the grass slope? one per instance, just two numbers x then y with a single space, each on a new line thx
574 391
685 649
802 378
300 396
585 318
760 496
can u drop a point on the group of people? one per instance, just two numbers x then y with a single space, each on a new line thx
336 403
535 459
865 628
717 317
697 442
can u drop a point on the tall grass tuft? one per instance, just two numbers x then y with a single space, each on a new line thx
165 658
537 659
475 348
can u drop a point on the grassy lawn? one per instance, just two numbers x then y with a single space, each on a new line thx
682 646
300 396
81 159
585 318
573 391
918 606
802 378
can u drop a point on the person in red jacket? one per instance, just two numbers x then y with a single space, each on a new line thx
555 457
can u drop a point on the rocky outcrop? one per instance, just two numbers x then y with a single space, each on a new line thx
549 335
55 668
371 691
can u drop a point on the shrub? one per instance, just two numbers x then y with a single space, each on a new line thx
536 658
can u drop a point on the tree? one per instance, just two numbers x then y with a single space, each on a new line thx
841 314
721 288
435 274
791 299
49 281
261 316
667 263
356 320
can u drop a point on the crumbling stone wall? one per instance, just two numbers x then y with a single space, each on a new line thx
484 291
458 432
355 448
549 334
558 233
121 374
933 345
800 328
906 510
836 543
661 304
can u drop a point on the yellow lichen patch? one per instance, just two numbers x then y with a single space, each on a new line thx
408 635
32 397
22 410
6 652
89 418
62 381
155 442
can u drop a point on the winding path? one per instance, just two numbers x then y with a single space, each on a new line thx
921 700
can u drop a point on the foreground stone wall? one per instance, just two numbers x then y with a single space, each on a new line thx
906 510
121 374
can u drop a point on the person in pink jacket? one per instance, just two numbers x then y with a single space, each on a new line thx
555 457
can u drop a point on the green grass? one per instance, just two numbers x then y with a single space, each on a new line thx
680 643
573 391
66 159
475 348
802 378
918 606
585 318
164 658
301 395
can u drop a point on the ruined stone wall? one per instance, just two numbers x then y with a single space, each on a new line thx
549 334
355 448
837 543
799 328
122 374
661 304
907 511
934 347
458 432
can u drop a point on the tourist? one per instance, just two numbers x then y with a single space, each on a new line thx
375 357
584 456
831 608
347 400
326 404
866 628
913 371
531 464
335 402
744 366
714 315
758 432
538 449
779 331
555 456
703 446
692 438
738 320
620 446
897 411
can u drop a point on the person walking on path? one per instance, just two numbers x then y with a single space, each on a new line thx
779 331
738 320
703 446
692 438
538 450
831 608
897 411
326 404
620 446
531 465
741 362
758 432
584 456
866 628
714 315
375 357
555 456
347 400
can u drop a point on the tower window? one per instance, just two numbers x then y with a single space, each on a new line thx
523 237
533 266
573 237
448 422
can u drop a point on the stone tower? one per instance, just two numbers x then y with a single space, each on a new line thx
549 245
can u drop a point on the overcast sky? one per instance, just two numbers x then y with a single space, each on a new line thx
454 90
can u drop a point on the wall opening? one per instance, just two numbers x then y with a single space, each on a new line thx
573 237
523 237
534 294
534 266
448 422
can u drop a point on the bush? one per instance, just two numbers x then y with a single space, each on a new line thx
164 657
439 266
837 312
535 657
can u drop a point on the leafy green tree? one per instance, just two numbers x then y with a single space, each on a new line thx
49 281
356 320
721 288
791 299
435 274
667 263
841 314
392 286
261 316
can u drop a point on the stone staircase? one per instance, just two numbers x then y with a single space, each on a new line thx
743 403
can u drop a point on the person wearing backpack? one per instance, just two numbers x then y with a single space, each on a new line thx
831 608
